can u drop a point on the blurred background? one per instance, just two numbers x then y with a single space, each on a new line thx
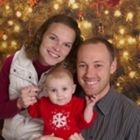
116 20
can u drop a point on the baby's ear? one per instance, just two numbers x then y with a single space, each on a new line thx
73 88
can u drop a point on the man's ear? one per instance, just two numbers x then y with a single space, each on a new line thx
113 66
73 88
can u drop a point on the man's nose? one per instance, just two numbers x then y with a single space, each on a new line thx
90 71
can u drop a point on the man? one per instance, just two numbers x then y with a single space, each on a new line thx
118 117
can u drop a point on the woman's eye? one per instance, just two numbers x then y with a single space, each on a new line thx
82 66
68 45
52 37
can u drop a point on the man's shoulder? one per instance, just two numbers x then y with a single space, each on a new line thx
129 106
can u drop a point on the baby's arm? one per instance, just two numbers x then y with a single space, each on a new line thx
88 112
34 111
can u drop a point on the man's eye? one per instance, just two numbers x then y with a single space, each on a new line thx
98 65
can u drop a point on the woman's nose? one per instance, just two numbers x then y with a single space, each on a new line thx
57 47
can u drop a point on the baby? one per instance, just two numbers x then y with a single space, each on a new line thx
62 112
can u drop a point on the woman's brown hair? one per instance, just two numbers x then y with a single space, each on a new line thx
32 48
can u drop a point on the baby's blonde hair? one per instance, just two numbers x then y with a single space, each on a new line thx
59 71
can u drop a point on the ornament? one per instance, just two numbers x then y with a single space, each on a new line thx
101 28
80 16
98 5
33 2
113 3
1 34
2 2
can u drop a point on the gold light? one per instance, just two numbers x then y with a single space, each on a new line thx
13 43
106 12
18 14
4 44
17 28
132 74
56 6
131 40
125 55
117 13
7 7
30 10
4 37
129 16
122 30
10 22
121 42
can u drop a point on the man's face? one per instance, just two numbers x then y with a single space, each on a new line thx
94 68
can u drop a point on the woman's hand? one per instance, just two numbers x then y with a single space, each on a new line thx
27 97
76 136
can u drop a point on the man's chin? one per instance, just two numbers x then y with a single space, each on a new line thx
88 93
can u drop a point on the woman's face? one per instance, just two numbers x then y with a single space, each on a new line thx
56 44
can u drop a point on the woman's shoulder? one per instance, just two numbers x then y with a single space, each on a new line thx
7 62
9 59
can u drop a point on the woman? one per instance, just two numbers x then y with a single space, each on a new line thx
57 39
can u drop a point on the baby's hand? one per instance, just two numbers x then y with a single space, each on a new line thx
76 136
91 100
49 137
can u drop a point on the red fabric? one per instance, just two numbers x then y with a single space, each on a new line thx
60 120
8 108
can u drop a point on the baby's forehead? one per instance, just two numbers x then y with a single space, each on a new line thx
60 77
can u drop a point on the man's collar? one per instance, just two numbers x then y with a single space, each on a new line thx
105 104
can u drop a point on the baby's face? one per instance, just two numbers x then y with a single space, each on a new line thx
60 90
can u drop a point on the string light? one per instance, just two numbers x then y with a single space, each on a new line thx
10 22
56 6
129 16
4 37
18 14
117 13
16 28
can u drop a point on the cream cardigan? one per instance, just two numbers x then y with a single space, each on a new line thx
21 126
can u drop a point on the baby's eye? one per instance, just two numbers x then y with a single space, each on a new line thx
53 90
64 89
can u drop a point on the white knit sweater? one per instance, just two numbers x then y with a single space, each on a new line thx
21 126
